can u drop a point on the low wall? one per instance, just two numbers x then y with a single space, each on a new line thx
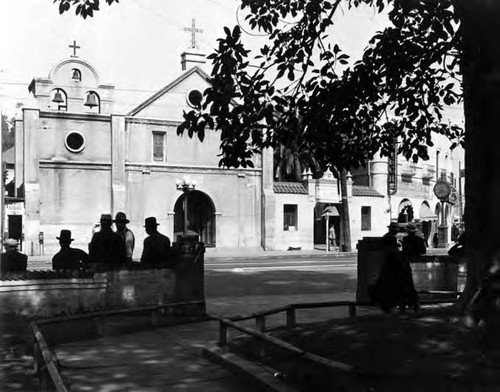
430 272
51 293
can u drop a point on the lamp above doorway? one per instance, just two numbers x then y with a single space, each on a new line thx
185 185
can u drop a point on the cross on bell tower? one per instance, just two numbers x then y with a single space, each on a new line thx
193 30
75 47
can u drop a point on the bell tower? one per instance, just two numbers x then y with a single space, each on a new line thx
73 86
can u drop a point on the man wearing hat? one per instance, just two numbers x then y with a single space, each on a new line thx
12 261
68 258
156 249
126 234
413 244
106 246
390 239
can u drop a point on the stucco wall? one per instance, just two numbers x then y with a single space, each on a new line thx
303 235
379 217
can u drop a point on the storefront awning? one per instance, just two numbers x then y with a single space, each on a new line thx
426 214
330 211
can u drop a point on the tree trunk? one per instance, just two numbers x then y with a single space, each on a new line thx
345 212
481 81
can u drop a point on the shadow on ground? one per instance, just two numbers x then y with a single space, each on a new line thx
424 351
159 360
276 282
16 361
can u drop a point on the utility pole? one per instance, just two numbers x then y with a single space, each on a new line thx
345 221
2 168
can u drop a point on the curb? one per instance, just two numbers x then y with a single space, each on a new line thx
216 257
258 374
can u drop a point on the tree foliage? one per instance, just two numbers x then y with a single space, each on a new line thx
306 93
7 133
83 8
302 91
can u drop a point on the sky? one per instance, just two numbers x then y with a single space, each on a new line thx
134 45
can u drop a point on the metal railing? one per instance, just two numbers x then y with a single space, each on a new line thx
225 324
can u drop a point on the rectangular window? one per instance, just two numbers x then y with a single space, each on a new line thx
159 146
366 218
290 217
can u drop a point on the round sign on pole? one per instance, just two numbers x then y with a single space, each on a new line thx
442 189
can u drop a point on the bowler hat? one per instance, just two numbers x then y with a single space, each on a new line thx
106 218
121 218
393 225
10 242
411 227
151 221
65 236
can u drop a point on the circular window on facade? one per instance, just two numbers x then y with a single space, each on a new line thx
74 142
194 98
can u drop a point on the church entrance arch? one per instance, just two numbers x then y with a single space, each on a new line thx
200 216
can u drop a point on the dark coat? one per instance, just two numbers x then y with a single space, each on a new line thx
156 249
12 261
414 245
69 259
394 285
107 247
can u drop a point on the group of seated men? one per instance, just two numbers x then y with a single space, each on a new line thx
108 248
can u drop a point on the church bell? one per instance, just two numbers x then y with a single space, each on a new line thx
58 97
76 75
91 100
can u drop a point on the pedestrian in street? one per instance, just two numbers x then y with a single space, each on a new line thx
68 258
156 251
455 231
331 237
435 240
12 261
106 246
126 234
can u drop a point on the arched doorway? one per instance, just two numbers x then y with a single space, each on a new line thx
320 231
427 217
200 216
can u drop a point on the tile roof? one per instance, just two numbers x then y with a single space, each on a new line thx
360 190
290 187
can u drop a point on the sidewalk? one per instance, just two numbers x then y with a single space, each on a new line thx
45 261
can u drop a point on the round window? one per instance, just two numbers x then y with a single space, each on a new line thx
74 142
194 98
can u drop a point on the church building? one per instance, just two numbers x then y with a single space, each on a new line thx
76 158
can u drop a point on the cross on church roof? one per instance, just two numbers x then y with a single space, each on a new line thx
193 31
75 47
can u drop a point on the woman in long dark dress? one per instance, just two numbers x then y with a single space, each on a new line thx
394 286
